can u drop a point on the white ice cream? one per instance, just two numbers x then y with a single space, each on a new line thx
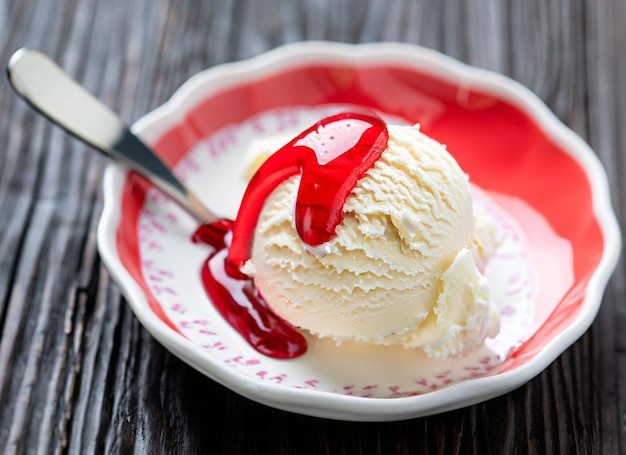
404 267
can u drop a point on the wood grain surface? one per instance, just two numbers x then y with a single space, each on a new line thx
78 373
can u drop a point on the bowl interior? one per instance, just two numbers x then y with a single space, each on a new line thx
504 138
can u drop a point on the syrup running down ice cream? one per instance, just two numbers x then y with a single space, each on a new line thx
354 230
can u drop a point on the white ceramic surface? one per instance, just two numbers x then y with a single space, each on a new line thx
531 276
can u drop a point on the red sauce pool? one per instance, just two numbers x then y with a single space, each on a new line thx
331 157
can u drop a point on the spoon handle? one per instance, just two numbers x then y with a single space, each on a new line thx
46 87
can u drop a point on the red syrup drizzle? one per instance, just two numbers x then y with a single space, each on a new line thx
331 157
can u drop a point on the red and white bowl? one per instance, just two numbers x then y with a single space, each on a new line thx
551 190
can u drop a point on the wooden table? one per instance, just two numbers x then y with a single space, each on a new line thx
79 374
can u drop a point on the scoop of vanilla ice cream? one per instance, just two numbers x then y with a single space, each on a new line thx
401 269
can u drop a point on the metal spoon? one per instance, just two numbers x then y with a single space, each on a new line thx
52 92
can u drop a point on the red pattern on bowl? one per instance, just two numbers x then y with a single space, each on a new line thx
501 135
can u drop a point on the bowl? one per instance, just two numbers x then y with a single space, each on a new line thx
550 190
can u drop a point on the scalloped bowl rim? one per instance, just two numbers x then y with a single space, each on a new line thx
326 404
